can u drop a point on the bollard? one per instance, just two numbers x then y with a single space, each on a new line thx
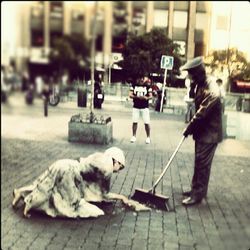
45 107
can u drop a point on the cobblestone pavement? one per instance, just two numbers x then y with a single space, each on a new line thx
31 142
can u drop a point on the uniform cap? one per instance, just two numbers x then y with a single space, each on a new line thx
191 64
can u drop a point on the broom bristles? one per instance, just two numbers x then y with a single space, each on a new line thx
157 201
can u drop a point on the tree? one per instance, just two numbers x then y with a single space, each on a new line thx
142 54
233 61
61 55
70 53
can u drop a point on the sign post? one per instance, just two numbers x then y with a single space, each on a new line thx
167 62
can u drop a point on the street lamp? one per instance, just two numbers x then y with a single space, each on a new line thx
110 65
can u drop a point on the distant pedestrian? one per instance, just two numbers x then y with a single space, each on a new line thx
25 81
141 93
98 95
205 126
30 94
222 93
45 95
5 87
158 104
189 99
67 187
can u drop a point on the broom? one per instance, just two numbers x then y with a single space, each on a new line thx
149 197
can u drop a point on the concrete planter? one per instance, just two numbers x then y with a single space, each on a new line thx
98 132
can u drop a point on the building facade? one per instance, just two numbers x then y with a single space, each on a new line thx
39 23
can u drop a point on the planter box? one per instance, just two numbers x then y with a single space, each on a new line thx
93 133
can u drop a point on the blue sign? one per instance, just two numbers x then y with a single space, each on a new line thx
167 62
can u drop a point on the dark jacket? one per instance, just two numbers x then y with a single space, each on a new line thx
206 124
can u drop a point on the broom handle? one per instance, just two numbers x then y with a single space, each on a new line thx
167 166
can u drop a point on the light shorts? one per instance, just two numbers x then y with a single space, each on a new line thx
141 112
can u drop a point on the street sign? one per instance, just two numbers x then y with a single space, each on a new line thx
167 62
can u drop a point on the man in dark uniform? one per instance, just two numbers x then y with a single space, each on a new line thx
205 126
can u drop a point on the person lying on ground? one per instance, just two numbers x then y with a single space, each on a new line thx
68 187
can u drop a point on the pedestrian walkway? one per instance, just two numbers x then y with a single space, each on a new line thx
31 142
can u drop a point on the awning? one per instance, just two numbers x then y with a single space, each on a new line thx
243 84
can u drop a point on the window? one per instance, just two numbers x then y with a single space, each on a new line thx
77 15
77 22
37 24
180 19
202 21
161 18
118 44
222 22
56 10
98 42
37 38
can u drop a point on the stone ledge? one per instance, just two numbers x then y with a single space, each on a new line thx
90 132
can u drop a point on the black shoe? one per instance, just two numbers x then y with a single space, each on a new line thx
191 201
187 193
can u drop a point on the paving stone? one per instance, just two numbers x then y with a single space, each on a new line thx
220 222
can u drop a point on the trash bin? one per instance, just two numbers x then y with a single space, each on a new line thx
246 105
82 96
239 104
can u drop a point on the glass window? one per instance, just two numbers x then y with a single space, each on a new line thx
99 43
56 9
202 21
77 15
37 38
180 19
77 22
37 11
160 18
222 22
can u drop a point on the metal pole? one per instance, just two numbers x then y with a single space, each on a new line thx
228 48
163 90
168 164
110 73
93 58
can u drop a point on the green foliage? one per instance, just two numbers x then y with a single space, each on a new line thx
69 53
232 60
142 54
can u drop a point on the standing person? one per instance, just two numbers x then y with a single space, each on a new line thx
98 95
68 186
189 99
25 81
205 126
141 93
45 96
222 93
5 87
39 85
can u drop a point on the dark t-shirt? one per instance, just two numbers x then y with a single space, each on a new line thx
140 90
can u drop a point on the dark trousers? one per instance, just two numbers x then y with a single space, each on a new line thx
204 153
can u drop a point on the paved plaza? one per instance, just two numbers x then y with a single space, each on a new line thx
30 142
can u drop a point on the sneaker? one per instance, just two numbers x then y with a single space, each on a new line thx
148 140
133 139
